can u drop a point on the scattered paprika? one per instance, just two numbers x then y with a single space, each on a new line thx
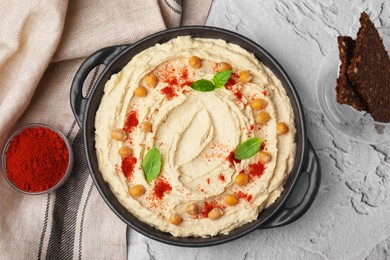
36 159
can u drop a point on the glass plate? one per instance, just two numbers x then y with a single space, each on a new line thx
356 125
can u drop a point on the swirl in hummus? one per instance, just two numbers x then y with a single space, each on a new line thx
196 134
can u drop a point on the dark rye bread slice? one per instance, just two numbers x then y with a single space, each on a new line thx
369 71
345 92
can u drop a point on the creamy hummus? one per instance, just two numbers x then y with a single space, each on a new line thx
196 134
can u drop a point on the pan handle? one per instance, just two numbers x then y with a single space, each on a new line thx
102 57
288 215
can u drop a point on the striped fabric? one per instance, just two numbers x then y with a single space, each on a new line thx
42 44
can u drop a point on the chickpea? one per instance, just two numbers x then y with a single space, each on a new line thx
146 127
242 179
118 134
262 117
259 104
175 219
215 213
231 200
245 76
140 91
151 80
195 62
137 190
281 128
191 209
264 157
125 151
222 66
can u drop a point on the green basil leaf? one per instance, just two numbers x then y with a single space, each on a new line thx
151 165
203 85
221 78
248 148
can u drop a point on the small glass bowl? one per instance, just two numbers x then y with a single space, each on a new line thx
60 182
356 125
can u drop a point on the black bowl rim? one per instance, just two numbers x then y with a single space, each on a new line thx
283 198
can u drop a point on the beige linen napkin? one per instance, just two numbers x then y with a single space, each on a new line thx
42 44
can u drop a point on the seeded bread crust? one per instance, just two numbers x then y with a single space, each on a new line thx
346 93
369 71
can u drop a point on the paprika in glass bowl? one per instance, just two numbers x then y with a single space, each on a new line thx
37 159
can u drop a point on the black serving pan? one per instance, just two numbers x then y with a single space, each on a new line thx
116 57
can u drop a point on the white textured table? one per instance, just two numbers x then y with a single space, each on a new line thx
350 218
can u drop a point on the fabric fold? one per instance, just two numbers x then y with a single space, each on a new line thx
29 36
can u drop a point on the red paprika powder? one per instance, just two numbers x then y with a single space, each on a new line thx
36 159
